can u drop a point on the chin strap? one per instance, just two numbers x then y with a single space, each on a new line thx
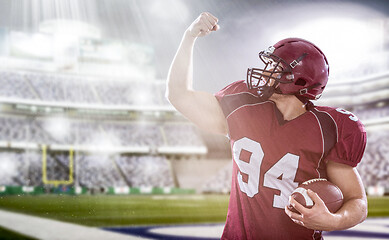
266 92
308 104
301 91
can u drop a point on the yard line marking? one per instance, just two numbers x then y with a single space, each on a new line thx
43 228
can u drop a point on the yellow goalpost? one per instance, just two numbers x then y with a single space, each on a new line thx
44 169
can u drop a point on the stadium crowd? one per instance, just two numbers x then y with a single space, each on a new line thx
50 87
90 132
24 167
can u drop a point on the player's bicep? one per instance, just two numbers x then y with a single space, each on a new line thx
202 109
347 179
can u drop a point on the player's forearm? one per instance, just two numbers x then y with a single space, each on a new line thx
180 75
353 212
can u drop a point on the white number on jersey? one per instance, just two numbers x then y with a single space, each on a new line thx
251 168
280 176
352 116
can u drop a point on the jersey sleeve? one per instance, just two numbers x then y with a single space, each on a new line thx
351 139
235 87
228 97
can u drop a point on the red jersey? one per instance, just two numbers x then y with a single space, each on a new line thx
271 157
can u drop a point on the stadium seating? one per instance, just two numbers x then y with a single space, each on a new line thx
374 168
20 168
14 85
88 132
182 134
92 170
50 87
221 182
372 113
24 167
97 171
146 171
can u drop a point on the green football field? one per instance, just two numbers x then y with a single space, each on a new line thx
110 210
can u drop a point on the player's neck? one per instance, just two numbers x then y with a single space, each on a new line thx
290 106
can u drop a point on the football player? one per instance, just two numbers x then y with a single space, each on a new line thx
279 138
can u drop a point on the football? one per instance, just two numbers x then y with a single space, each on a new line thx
327 191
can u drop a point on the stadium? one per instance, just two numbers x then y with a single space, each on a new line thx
91 148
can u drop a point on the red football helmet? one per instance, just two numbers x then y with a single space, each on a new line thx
293 66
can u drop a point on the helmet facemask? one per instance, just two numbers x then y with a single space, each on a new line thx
265 80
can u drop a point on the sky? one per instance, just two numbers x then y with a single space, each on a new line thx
349 32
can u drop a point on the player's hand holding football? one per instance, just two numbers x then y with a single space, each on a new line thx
318 217
203 25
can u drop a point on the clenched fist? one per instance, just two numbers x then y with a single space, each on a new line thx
203 25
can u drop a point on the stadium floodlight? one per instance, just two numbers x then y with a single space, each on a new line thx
69 27
57 127
34 108
141 96
66 34
104 141
8 167
37 44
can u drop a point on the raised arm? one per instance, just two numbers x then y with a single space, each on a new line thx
201 108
